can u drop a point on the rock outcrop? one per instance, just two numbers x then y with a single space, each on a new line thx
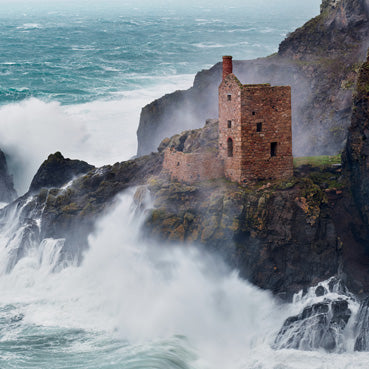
57 171
7 191
323 320
356 154
282 236
69 213
320 62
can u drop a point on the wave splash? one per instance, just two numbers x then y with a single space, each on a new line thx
148 305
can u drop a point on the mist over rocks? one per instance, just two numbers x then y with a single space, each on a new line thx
319 61
7 191
69 213
282 236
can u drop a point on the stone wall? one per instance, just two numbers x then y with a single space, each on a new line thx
266 121
192 167
255 117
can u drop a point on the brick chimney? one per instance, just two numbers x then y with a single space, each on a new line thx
227 65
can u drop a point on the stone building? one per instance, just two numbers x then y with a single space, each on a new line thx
255 136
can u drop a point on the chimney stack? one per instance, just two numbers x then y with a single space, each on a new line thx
227 65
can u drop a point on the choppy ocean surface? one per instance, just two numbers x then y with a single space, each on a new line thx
74 80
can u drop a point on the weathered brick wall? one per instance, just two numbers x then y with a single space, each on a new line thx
190 168
270 107
250 105
230 110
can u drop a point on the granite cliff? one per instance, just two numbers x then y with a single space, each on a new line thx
319 61
7 191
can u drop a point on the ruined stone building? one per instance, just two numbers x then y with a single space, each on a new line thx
255 134
255 137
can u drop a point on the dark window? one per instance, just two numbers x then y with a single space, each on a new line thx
259 127
230 147
253 113
229 97
273 149
229 124
178 164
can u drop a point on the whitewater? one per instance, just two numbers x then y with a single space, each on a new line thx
74 80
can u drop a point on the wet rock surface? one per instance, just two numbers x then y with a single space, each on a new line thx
319 326
69 213
282 236
362 327
57 171
7 191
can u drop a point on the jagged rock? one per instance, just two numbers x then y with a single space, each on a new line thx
362 327
355 160
262 230
319 326
57 171
69 214
203 139
319 61
356 155
7 191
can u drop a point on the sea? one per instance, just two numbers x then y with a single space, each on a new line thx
73 78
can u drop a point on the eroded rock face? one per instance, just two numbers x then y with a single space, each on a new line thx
362 327
282 236
356 155
68 214
319 326
7 191
322 321
57 171
318 60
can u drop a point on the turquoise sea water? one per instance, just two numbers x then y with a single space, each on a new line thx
74 57
74 79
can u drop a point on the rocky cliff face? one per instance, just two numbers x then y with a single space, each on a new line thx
320 62
356 154
282 236
54 208
7 191
57 171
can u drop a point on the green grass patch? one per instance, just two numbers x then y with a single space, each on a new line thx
317 161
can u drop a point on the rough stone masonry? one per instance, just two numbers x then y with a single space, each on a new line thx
255 135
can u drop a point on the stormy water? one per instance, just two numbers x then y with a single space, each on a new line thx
73 79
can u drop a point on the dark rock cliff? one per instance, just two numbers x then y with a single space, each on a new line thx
282 236
356 156
320 62
7 191
70 212
57 171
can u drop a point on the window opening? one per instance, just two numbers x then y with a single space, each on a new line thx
230 147
229 124
253 113
259 127
273 149
229 97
